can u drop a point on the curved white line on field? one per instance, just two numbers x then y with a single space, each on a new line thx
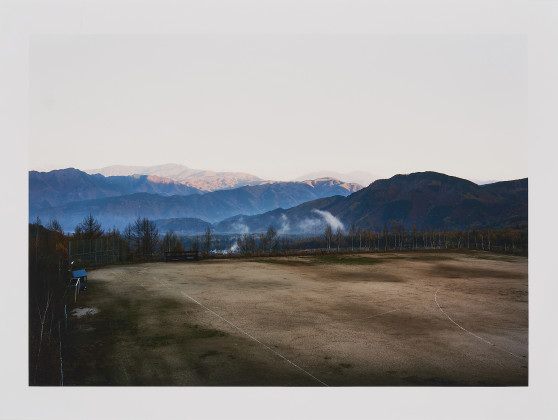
253 338
469 332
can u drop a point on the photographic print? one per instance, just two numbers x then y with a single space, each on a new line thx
273 209
278 210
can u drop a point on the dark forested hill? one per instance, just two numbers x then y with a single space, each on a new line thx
427 200
434 200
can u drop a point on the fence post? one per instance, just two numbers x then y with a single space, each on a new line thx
61 369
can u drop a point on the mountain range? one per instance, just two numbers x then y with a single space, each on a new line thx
69 195
427 200
198 179
58 187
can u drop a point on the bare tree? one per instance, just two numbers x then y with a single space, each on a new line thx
252 244
242 243
328 236
145 236
352 233
263 242
338 237
401 232
359 233
271 238
195 245
207 241
171 242
386 237
369 237
54 225
246 244
394 229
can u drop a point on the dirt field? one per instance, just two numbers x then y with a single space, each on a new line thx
426 319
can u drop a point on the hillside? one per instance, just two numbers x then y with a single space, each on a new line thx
183 226
434 200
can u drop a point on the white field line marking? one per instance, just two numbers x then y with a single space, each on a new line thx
469 332
253 338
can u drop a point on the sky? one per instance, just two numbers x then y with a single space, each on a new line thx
282 105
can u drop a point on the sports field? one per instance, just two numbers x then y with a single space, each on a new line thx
397 319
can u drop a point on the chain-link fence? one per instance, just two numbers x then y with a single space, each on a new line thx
89 252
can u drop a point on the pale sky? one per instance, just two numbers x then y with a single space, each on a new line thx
282 105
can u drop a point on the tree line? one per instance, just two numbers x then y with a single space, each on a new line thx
398 238
141 240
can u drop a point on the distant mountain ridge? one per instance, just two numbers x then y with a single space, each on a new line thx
359 177
58 187
70 195
202 180
324 185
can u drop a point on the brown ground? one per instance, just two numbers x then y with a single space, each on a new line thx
370 319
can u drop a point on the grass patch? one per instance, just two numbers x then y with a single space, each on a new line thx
355 259
90 344
157 341
429 258
209 353
449 271
284 261
493 257
314 260
198 332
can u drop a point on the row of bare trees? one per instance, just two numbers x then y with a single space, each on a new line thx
506 240
264 242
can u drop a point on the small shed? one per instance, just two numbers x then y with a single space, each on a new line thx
81 277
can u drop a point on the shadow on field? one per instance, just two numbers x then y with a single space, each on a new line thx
449 271
341 276
315 260
119 346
